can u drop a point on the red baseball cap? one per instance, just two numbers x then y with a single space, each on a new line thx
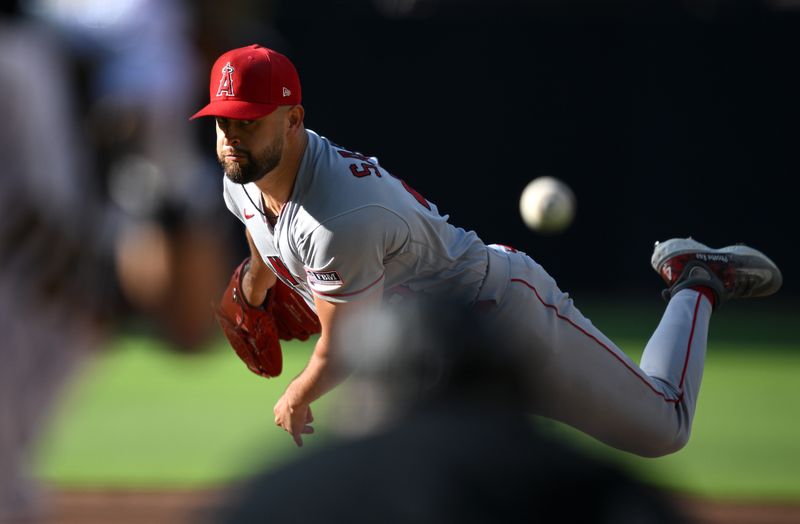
249 83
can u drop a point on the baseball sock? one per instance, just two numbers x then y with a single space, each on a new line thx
706 292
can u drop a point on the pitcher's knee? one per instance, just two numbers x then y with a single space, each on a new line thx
661 445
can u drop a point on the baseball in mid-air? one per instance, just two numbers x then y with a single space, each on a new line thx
547 205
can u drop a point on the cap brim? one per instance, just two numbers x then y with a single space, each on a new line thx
236 109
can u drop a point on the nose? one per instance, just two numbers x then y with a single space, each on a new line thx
229 135
227 130
230 140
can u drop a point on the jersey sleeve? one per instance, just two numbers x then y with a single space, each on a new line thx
345 256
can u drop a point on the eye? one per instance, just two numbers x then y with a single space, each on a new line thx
221 121
246 122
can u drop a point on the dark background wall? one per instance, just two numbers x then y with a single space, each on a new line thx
667 121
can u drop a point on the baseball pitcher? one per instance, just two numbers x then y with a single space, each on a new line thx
333 232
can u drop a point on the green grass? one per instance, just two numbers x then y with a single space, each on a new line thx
140 415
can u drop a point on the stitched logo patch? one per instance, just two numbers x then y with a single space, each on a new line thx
323 277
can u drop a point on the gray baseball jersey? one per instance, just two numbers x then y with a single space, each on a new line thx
358 228
350 226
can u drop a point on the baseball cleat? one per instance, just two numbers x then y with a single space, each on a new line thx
736 271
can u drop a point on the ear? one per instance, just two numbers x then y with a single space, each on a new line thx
294 117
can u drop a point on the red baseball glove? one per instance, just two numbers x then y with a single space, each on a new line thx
254 332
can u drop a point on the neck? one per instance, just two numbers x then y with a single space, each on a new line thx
277 186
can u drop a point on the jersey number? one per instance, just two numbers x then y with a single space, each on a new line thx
366 168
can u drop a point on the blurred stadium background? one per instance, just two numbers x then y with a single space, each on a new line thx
666 118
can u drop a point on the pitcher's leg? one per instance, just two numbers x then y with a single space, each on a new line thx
585 379
588 382
684 324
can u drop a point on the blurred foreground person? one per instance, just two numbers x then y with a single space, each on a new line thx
439 397
135 67
52 277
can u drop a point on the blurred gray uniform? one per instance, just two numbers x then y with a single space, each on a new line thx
47 275
350 227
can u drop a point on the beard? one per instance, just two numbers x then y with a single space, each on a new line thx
256 166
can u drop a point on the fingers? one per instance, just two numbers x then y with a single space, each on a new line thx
290 421
298 437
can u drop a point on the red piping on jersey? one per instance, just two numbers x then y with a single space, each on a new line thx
644 381
349 294
689 346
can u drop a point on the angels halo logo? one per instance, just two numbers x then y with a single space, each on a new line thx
226 82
